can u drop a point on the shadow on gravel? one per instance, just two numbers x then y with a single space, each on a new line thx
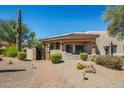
62 61
11 70
26 60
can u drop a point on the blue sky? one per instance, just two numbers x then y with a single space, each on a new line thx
48 21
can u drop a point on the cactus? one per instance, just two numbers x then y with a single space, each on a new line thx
18 36
112 47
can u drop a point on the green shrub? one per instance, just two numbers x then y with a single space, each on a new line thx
93 59
56 58
80 66
21 55
84 56
10 51
110 62
1 51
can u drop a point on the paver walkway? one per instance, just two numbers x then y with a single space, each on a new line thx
47 77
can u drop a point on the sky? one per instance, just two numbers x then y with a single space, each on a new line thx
52 20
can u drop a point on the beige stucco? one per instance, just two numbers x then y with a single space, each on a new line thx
102 41
105 40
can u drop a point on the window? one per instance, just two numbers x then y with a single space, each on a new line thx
114 48
51 46
69 48
79 49
57 45
106 48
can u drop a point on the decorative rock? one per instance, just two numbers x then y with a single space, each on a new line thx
84 76
34 66
1 59
90 69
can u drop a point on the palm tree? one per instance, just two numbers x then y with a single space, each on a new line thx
114 15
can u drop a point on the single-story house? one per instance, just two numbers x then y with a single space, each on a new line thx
72 44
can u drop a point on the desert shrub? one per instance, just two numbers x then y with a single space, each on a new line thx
1 51
10 51
80 66
84 56
21 55
92 59
110 62
56 58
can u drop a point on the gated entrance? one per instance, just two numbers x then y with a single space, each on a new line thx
38 53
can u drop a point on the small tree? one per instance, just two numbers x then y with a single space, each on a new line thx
8 31
37 43
15 32
32 35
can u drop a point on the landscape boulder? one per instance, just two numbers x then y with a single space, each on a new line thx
89 68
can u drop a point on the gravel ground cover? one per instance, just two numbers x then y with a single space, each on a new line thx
66 75
104 77
47 77
16 75
44 74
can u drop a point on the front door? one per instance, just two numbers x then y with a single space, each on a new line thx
79 49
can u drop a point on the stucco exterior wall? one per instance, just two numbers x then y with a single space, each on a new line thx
29 54
88 47
105 40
